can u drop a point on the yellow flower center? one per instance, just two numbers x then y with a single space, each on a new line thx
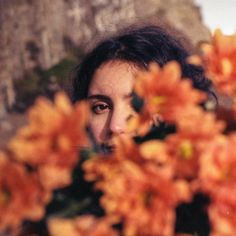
4 197
158 100
186 150
226 66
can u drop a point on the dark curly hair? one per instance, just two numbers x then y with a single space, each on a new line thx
139 46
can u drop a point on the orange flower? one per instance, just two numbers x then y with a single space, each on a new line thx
222 211
52 138
142 197
165 93
21 195
139 190
218 162
219 61
200 124
217 178
154 151
81 226
184 154
195 129
217 166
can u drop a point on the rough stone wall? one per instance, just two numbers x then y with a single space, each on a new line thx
37 33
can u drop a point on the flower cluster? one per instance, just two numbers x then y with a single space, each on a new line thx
138 186
40 159
217 178
165 95
219 60
143 185
21 194
51 139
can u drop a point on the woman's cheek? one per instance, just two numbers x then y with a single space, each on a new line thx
98 127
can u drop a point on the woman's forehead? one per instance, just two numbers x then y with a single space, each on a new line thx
120 66
113 77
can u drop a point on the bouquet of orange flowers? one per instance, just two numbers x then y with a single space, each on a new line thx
180 180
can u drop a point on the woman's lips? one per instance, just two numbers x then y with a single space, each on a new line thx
107 148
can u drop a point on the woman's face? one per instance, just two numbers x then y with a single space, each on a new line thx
109 97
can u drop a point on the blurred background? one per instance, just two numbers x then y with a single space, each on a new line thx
42 41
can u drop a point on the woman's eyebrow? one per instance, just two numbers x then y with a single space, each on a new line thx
99 97
129 95
107 98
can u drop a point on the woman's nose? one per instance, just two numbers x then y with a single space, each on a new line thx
119 119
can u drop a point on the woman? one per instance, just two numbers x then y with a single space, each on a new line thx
106 76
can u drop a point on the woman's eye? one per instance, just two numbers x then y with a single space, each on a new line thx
100 108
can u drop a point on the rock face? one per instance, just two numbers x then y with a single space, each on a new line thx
39 33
